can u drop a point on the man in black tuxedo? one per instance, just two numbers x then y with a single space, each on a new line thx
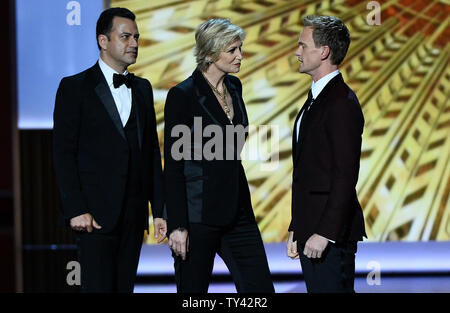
107 159
327 219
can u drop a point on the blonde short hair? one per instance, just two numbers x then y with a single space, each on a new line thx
212 37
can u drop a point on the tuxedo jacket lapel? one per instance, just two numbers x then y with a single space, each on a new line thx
138 103
208 100
138 100
203 103
237 101
104 93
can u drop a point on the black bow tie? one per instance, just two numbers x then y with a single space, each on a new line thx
119 80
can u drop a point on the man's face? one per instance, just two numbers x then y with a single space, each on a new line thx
230 60
122 48
307 53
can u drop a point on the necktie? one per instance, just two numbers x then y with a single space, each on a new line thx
308 102
119 80
305 109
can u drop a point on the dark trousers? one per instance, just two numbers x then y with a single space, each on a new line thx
241 248
109 261
334 272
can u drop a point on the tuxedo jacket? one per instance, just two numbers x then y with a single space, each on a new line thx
326 166
91 152
202 189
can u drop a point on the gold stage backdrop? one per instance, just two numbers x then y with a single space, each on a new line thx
398 66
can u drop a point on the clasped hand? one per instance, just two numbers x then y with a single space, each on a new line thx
314 246
179 242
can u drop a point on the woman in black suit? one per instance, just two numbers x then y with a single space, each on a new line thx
209 209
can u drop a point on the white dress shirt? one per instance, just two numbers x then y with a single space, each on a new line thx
121 95
316 88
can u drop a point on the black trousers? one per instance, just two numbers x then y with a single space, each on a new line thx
109 261
241 248
334 272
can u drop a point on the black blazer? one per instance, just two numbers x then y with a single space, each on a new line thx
201 190
326 166
91 152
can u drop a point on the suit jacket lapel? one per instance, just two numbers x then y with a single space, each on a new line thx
202 101
294 136
302 132
237 101
318 104
104 93
208 100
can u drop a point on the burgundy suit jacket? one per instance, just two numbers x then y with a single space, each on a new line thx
326 166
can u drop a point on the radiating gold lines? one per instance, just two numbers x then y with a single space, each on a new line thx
400 76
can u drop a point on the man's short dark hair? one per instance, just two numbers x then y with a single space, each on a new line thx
105 21
329 31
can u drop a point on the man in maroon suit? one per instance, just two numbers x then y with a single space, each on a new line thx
327 219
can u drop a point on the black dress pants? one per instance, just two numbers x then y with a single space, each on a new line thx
109 261
334 272
241 248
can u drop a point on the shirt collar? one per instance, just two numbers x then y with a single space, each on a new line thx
318 86
108 72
